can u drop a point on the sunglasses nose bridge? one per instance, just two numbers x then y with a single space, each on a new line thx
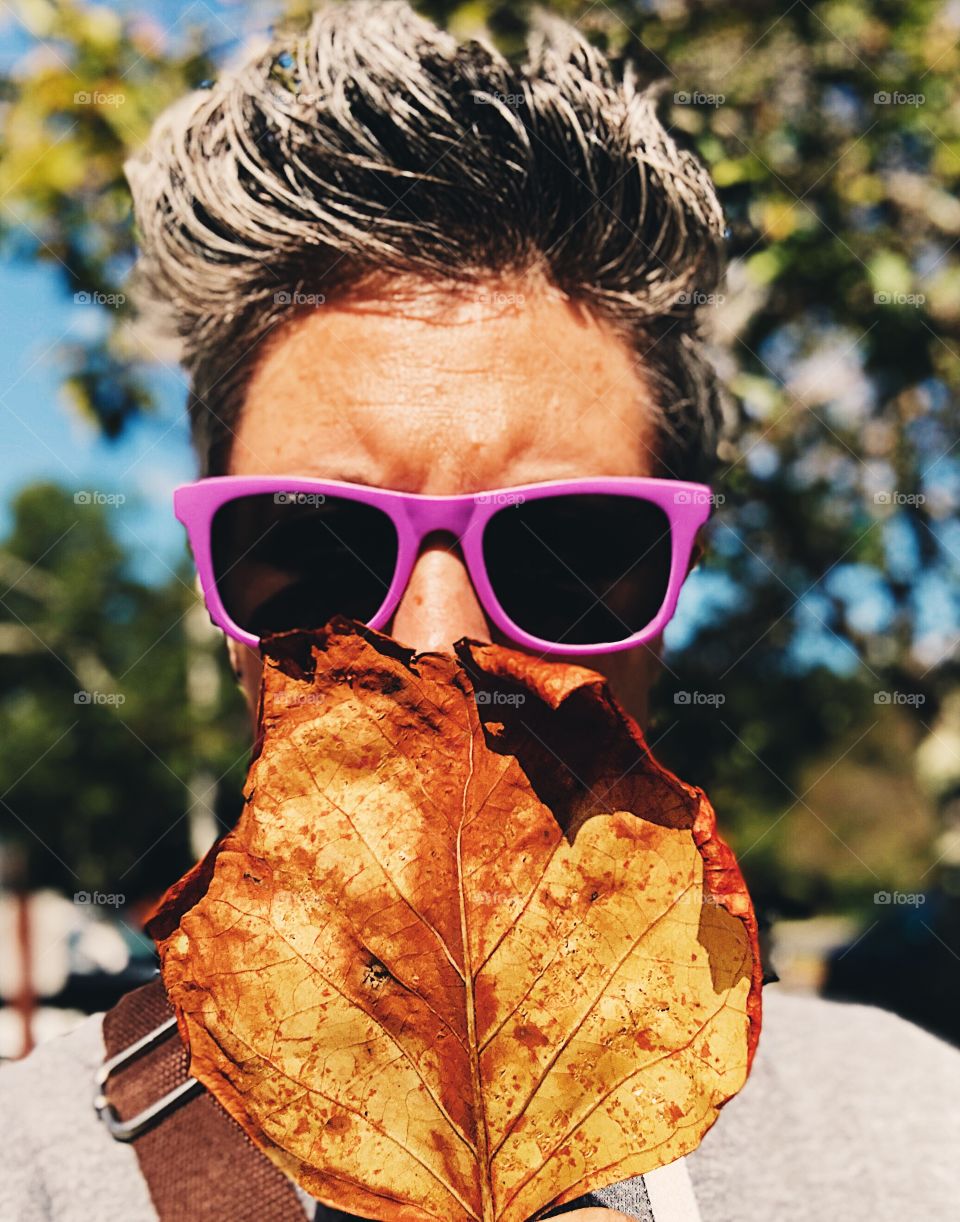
430 514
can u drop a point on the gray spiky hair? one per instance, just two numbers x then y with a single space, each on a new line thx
374 144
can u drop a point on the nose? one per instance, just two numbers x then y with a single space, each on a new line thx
439 604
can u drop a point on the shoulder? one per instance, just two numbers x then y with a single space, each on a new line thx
849 1111
56 1159
865 1056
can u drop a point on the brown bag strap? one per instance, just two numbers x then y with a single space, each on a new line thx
197 1161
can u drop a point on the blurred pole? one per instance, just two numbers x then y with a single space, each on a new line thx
938 770
203 693
24 999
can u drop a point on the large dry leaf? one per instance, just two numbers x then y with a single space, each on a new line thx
470 950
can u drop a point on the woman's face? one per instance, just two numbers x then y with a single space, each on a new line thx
444 394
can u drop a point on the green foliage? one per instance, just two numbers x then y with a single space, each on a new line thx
99 739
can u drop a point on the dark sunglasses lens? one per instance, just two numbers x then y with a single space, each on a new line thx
579 569
287 560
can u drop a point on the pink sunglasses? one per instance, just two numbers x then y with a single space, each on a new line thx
565 567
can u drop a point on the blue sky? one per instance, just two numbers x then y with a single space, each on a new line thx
46 438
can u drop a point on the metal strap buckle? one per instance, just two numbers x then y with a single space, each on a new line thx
127 1130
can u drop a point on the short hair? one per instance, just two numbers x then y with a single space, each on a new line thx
373 143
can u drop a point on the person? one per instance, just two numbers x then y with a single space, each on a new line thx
399 261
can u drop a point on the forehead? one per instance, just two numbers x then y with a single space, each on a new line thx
445 392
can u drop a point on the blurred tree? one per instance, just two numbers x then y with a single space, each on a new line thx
99 740
833 132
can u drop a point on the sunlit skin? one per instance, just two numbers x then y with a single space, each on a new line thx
446 392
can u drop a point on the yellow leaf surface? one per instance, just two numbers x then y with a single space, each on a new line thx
470 951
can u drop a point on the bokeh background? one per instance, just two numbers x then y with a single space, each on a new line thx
812 679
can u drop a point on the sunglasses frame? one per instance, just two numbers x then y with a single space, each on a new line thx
686 505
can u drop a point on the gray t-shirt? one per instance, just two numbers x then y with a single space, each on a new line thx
849 1113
